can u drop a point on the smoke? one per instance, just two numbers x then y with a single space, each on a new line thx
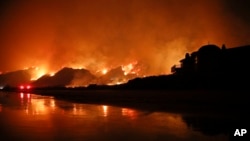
101 34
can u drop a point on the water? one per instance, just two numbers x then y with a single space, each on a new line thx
33 117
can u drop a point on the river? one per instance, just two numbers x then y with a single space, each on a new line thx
25 116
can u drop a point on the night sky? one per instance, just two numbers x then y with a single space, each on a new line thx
97 34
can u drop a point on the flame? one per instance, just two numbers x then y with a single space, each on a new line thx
117 74
38 72
159 39
127 69
52 74
104 71
130 68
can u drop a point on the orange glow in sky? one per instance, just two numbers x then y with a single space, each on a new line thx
93 34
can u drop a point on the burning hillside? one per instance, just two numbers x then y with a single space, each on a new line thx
102 35
111 41
71 77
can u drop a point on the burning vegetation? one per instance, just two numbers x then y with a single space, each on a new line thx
109 33
72 77
111 41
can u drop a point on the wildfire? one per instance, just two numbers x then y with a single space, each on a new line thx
52 74
114 75
104 71
37 72
130 68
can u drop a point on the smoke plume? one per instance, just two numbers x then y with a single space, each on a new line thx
97 34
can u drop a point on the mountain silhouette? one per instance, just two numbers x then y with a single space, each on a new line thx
210 67
64 77
15 78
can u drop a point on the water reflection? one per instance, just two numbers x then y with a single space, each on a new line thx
43 105
21 95
36 105
129 113
79 110
105 110
27 116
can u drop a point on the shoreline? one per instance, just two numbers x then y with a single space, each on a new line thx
185 101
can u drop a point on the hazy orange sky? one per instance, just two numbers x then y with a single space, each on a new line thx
107 33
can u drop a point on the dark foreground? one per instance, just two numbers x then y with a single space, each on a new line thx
215 114
221 101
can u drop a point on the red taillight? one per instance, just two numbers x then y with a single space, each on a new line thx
25 87
21 87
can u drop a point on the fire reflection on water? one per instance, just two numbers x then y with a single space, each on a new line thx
36 105
105 110
129 113
78 110
46 118
48 106
40 105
